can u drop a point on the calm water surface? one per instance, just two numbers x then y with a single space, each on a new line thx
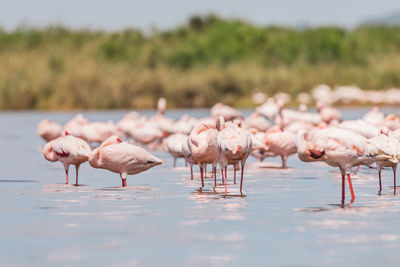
286 218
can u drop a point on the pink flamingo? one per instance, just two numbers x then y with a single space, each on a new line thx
389 153
97 132
49 130
202 143
235 145
328 113
280 142
227 112
123 158
174 145
74 126
161 106
374 117
259 150
338 148
257 121
68 150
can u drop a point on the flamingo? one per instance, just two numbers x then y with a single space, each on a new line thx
227 112
328 113
161 106
174 145
338 148
374 117
259 150
235 145
202 143
257 121
123 158
269 109
74 126
280 142
146 132
68 150
390 146
185 124
49 130
97 132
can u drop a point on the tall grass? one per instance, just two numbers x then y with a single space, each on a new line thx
208 59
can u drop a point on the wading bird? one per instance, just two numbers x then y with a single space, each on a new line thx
69 150
338 148
123 158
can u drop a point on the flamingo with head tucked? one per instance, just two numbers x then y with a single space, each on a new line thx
203 147
338 148
174 145
235 145
123 158
69 150
280 142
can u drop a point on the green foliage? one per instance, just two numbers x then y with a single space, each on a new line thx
209 59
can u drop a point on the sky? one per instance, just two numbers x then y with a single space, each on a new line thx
165 14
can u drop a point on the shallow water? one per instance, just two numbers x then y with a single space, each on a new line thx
287 217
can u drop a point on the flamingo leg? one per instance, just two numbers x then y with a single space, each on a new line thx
201 174
380 182
234 174
241 178
76 169
226 183
394 179
343 189
66 176
283 162
191 172
226 171
351 188
123 178
215 176
222 174
174 162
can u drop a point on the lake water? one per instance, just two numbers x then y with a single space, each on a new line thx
285 218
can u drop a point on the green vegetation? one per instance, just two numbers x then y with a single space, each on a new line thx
209 59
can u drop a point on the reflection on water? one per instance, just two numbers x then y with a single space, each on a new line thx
164 218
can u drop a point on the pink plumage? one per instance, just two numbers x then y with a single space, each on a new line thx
69 150
123 158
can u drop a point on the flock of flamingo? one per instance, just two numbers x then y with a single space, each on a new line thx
226 138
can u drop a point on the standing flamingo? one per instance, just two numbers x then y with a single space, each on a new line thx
280 142
235 145
68 150
390 146
123 158
338 148
174 145
202 143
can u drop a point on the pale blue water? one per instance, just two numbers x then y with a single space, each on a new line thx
286 218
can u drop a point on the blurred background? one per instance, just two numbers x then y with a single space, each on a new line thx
99 54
